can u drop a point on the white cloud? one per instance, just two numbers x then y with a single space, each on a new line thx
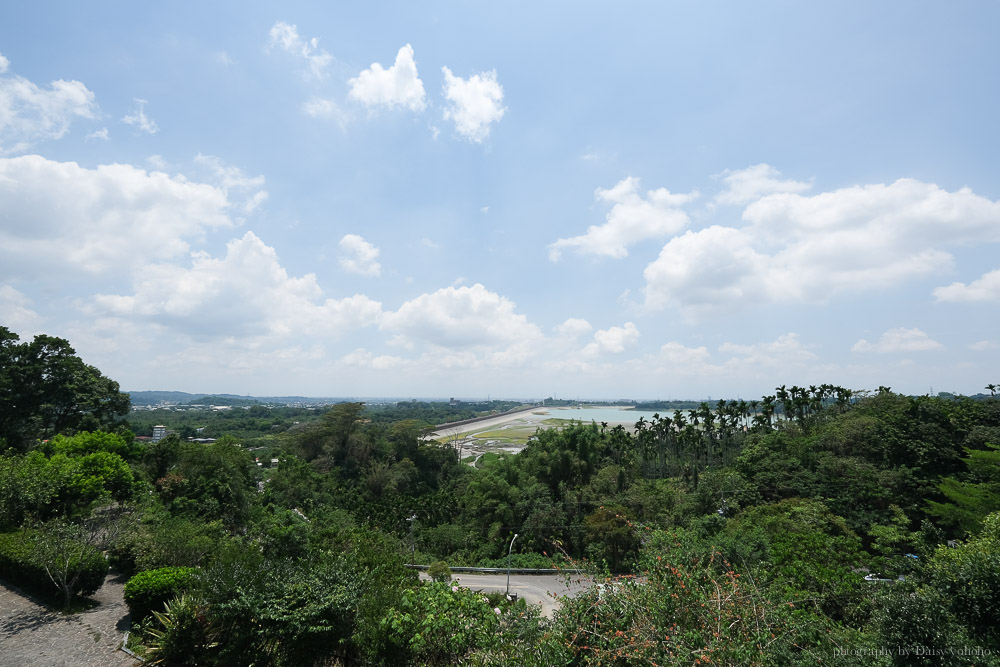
899 340
359 256
677 356
137 118
984 346
574 327
17 313
325 109
286 36
101 134
786 349
632 219
29 114
761 362
457 318
398 86
701 271
612 340
747 185
985 288
245 294
232 180
476 102
98 221
362 358
808 248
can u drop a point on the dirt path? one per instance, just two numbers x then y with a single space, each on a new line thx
31 635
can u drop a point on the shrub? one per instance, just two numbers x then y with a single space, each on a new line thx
181 634
438 624
23 558
148 591
439 571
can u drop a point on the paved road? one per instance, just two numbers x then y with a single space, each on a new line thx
538 589
33 636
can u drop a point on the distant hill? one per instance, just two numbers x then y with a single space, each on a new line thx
158 397
184 398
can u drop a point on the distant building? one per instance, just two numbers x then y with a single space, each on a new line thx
159 433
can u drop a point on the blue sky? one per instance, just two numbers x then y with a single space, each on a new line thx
648 200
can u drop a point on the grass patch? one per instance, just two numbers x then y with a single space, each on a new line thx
488 458
511 435
559 421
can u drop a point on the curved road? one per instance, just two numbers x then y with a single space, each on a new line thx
544 590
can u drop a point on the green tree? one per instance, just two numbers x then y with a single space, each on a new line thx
955 605
969 501
68 553
612 538
46 389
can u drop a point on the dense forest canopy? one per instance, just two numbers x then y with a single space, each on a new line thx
812 525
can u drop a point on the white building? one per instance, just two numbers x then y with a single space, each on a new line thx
159 433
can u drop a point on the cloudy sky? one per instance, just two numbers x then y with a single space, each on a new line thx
648 199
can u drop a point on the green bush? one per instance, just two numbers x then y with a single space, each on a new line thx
22 562
148 591
439 571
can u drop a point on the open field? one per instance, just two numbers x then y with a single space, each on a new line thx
511 432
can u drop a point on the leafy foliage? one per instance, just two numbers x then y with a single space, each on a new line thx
53 559
45 389
148 591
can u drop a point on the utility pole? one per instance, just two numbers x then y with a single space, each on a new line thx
509 549
413 545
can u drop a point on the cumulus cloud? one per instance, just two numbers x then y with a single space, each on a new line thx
475 103
359 256
701 271
746 185
249 190
101 134
101 220
984 346
137 118
286 37
899 340
574 327
632 219
787 348
678 356
465 325
985 288
613 340
246 293
800 248
398 86
30 113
